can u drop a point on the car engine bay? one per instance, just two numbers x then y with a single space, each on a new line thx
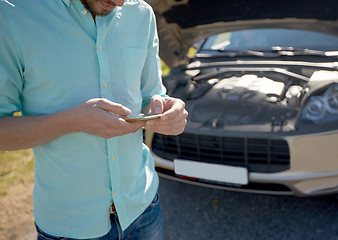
263 96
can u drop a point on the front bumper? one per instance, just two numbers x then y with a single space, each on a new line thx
313 170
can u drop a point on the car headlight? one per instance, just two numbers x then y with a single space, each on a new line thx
331 96
323 108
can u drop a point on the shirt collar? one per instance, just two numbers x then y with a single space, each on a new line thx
67 2
117 10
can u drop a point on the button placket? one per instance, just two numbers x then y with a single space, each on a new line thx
106 92
114 166
103 59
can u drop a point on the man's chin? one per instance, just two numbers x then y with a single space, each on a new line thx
102 14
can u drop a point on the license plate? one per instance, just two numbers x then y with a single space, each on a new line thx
209 171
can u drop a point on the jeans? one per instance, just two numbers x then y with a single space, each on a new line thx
148 226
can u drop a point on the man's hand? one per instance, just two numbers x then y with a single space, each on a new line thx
174 117
103 118
100 117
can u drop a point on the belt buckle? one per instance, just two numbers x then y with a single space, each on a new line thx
112 209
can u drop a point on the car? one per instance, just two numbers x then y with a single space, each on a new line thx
260 83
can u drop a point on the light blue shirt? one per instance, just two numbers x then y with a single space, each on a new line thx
53 57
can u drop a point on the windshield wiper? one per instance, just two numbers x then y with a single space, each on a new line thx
277 51
248 70
292 51
244 52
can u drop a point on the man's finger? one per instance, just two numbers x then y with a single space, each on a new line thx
176 109
112 107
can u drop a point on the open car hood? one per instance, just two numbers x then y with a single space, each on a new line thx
181 23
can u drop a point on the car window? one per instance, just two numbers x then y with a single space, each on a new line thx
267 38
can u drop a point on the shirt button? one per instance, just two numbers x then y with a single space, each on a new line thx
113 157
100 47
84 12
115 194
105 85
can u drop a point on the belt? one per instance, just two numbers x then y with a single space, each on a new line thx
112 209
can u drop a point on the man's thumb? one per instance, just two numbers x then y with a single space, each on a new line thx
156 104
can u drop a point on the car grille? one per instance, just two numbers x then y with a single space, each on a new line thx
258 155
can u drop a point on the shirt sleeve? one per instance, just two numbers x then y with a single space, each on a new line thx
151 80
11 73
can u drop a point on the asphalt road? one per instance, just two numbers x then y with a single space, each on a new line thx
199 213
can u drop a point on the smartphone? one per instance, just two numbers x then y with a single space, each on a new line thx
142 117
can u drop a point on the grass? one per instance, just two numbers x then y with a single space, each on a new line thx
15 166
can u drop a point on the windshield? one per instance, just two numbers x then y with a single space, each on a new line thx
259 39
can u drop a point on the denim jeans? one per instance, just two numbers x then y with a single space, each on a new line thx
148 226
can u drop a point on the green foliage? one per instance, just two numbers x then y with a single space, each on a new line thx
165 68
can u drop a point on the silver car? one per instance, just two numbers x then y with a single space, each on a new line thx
260 83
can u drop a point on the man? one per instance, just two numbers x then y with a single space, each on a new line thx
76 69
